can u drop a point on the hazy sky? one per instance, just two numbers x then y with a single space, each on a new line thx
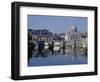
57 24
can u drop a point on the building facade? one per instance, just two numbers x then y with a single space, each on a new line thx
44 35
73 35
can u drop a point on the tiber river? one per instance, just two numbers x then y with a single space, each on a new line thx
50 58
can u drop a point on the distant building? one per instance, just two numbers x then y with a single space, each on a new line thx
41 34
57 37
73 35
45 35
62 35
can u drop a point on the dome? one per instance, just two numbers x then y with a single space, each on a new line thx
74 29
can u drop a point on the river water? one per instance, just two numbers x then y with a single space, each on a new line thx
57 58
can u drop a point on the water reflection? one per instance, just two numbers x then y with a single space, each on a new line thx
49 56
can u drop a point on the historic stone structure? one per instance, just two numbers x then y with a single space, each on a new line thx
73 35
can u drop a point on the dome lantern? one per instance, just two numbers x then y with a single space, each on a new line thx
74 29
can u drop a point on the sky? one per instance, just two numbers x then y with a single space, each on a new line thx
57 24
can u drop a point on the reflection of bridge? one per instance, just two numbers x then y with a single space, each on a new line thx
57 46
